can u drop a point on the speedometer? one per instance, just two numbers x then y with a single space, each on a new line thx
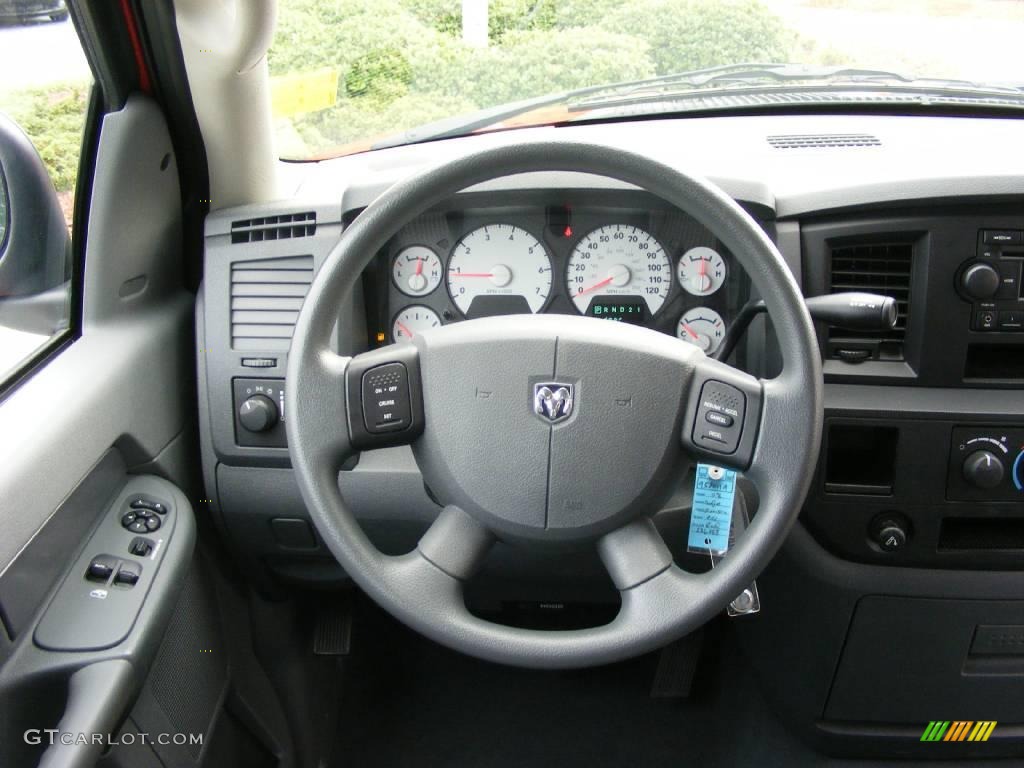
499 269
619 260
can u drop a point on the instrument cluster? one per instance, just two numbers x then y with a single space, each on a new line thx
627 258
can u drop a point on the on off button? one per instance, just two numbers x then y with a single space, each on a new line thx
386 406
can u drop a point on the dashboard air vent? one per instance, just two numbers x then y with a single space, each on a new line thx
873 267
266 296
824 141
282 227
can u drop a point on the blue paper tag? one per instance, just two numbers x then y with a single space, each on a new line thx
711 515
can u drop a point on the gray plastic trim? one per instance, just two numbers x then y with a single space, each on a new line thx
97 696
133 350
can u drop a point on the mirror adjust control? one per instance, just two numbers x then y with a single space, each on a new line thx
386 398
101 567
140 520
719 417
153 506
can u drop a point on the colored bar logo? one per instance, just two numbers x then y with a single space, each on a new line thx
958 730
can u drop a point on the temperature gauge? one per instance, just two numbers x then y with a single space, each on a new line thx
701 271
413 320
702 327
417 271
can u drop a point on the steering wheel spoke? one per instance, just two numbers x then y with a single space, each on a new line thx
323 395
634 553
455 543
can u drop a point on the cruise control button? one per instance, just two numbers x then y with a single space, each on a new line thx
723 406
718 418
386 398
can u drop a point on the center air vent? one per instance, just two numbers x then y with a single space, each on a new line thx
283 227
824 141
878 267
266 296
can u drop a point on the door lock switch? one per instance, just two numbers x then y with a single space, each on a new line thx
141 547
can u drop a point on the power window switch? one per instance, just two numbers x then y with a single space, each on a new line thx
128 574
141 547
101 567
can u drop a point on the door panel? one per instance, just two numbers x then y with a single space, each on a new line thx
116 400
129 374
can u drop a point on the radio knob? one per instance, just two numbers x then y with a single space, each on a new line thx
258 414
980 281
983 469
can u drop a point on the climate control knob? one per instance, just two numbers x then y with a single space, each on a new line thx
983 469
258 413
980 281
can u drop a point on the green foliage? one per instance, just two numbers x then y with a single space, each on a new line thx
383 74
529 64
402 62
695 34
53 118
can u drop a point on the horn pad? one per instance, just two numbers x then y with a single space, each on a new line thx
551 426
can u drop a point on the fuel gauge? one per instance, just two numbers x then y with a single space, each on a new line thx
412 320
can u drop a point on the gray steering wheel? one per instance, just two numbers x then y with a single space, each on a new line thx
485 405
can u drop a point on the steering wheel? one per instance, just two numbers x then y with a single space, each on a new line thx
552 430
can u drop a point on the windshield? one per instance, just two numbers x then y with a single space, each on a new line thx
351 75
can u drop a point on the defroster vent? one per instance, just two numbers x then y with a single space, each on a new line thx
872 267
824 141
281 227
266 296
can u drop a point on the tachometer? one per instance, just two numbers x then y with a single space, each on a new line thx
502 269
619 260
701 271
413 320
702 327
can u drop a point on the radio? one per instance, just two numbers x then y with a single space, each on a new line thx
992 281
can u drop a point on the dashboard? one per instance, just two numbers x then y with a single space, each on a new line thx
912 534
618 257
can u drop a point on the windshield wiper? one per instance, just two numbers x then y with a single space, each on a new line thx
757 75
